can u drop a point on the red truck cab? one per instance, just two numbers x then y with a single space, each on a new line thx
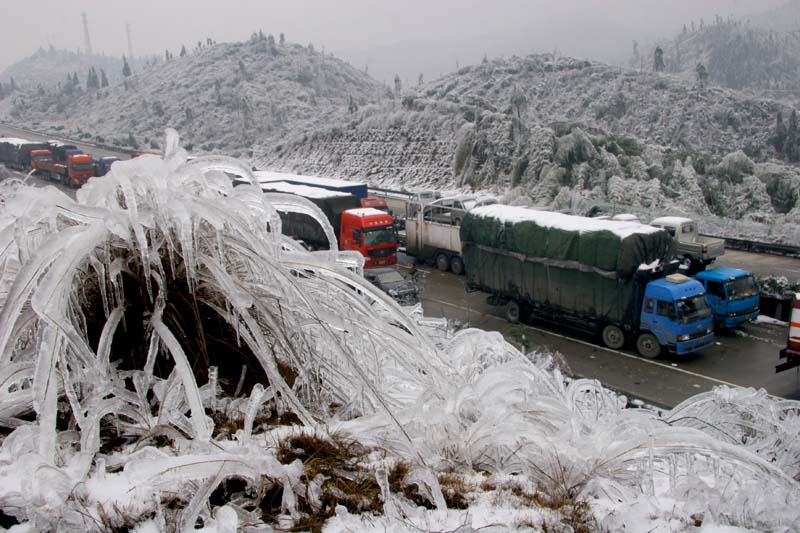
40 156
372 233
80 167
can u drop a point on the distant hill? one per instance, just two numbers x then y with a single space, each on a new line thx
222 98
50 67
783 18
737 55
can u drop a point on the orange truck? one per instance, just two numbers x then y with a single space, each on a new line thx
71 167
364 229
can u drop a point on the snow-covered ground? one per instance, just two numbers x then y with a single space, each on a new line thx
170 361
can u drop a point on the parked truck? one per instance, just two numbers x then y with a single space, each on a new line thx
359 190
695 250
102 165
732 294
364 229
432 241
65 164
16 153
603 277
792 351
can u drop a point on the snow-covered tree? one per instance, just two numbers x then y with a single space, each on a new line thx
398 87
658 59
183 50
126 68
103 78
282 39
702 75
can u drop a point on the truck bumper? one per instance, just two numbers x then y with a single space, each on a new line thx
741 318
693 345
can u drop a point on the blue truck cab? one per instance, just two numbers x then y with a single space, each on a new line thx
676 312
733 295
102 165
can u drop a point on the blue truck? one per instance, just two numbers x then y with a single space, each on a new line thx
732 294
102 165
610 278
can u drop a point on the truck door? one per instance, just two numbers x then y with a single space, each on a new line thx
715 292
663 321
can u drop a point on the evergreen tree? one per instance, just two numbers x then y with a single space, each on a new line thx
183 50
779 140
702 75
658 59
261 35
126 69
397 86
790 147
103 78
12 84
282 39
352 106
271 42
420 81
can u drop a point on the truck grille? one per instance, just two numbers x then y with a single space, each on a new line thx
382 252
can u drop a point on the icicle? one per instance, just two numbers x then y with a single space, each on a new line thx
200 422
256 399
212 387
45 391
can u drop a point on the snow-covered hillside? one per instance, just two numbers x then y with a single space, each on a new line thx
735 54
570 134
226 97
170 362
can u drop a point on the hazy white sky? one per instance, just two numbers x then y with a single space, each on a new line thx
377 32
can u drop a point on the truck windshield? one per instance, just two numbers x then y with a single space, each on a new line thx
693 308
82 166
382 235
740 288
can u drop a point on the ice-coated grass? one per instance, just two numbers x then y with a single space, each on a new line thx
169 360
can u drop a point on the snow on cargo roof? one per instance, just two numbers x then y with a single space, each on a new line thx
14 140
268 176
550 219
671 220
300 190
366 212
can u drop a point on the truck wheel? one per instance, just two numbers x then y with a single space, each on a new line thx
647 345
442 262
457 265
512 311
613 337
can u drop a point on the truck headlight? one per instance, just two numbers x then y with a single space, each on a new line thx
682 338
709 331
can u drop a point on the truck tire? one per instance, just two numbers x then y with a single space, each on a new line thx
513 311
613 337
456 265
647 345
442 262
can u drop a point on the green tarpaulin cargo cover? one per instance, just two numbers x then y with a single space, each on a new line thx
588 269
579 243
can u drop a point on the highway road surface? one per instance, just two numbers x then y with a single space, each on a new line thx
746 358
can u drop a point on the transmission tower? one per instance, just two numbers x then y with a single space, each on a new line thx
87 41
130 44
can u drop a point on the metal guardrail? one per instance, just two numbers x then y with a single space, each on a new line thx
756 247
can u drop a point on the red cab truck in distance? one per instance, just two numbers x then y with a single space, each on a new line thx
73 171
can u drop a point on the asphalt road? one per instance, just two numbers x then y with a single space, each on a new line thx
746 358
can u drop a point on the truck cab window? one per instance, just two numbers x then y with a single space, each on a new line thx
715 288
688 228
666 309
